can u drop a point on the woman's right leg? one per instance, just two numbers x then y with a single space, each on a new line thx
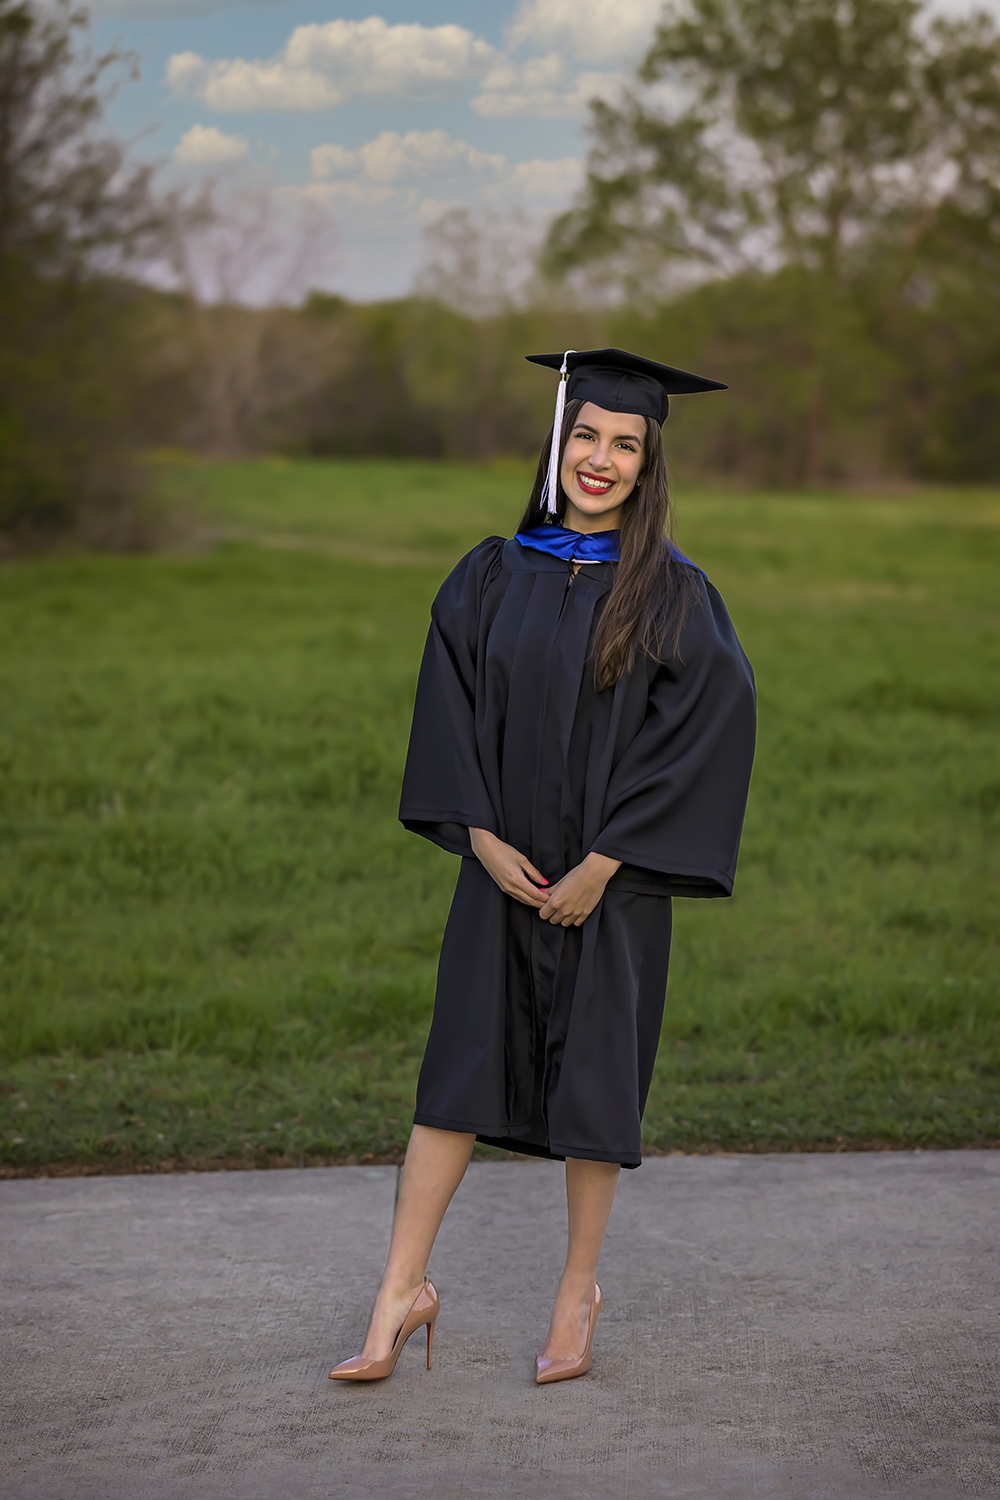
435 1165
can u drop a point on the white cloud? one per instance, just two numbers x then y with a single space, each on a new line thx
327 64
955 9
542 103
334 161
534 76
186 72
323 66
203 144
589 30
392 157
550 181
400 162
604 31
391 190
349 192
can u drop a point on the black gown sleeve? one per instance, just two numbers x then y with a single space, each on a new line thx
676 798
444 792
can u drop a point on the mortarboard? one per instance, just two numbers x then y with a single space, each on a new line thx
615 381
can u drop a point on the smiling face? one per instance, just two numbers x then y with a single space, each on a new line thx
602 460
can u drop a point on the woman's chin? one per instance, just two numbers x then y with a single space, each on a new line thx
595 504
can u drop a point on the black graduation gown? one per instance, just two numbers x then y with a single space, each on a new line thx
543 1038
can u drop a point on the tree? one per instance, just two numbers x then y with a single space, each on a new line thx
481 264
810 132
241 269
74 215
815 184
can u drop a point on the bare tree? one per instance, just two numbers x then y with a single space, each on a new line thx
242 268
482 264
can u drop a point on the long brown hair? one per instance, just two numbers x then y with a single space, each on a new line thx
653 592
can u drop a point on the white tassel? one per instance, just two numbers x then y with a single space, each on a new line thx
551 490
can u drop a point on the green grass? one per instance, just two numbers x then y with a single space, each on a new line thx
218 944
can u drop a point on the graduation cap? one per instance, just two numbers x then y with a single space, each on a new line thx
615 381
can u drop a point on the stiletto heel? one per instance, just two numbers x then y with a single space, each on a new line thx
547 1371
425 1308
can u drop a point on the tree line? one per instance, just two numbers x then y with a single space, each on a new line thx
799 197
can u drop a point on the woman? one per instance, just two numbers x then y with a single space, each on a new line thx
582 736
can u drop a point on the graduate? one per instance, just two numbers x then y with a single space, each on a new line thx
582 738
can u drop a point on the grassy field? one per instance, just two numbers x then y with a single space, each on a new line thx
219 945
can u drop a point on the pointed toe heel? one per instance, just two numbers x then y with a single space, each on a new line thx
424 1311
548 1371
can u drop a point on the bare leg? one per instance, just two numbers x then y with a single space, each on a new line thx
435 1164
590 1192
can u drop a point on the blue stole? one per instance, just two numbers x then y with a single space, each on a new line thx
578 546
571 546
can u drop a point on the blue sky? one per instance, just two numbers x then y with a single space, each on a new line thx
377 117
380 117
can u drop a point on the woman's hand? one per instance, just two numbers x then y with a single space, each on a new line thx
572 899
515 875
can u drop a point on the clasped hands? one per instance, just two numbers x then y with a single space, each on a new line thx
568 903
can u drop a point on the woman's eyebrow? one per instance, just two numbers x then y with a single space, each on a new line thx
631 437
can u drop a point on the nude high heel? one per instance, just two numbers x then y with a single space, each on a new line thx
425 1309
547 1371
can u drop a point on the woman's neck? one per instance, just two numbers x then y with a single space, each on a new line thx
576 520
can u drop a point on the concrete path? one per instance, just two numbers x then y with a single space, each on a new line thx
783 1328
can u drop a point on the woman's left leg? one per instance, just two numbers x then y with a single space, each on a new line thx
590 1193
435 1165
